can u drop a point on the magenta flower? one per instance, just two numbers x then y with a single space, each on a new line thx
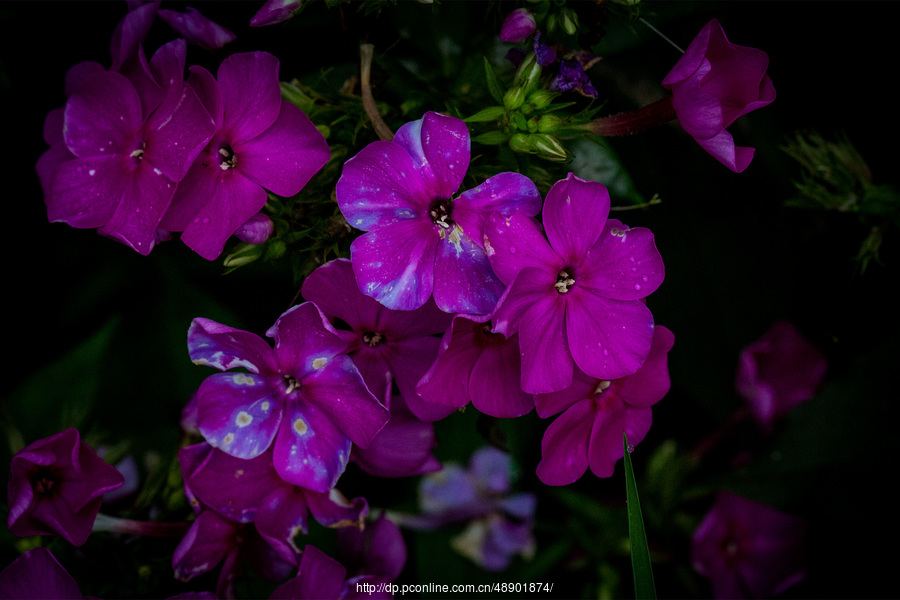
37 575
749 550
305 394
777 372
517 26
421 239
378 549
130 146
56 486
477 365
320 576
196 28
275 11
589 432
574 297
261 142
387 346
714 83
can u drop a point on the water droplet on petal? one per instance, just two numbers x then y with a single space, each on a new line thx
630 448
637 287
645 278
512 249
605 352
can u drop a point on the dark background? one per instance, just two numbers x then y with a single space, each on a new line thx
736 259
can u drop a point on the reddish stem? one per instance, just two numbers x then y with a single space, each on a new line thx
648 116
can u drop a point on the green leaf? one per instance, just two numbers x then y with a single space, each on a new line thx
640 552
491 113
493 82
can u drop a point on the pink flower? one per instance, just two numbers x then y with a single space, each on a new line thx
777 372
575 297
749 550
38 575
714 83
517 26
56 486
589 432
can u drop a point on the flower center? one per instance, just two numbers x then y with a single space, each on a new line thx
138 153
373 339
601 387
290 384
564 281
439 211
43 483
227 158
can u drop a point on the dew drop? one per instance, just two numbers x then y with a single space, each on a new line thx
205 220
645 278
630 448
512 249
637 287
605 352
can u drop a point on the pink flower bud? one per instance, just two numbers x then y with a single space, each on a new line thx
519 24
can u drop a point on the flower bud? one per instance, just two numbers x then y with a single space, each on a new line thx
569 21
244 254
541 99
527 75
256 230
548 147
517 26
514 98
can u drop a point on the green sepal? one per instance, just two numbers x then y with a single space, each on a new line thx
491 113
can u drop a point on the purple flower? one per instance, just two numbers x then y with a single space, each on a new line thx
544 53
777 372
260 141
517 26
305 394
378 549
387 346
574 297
37 575
320 576
589 432
196 28
130 149
499 524
56 486
275 11
477 365
572 77
421 239
749 550
714 83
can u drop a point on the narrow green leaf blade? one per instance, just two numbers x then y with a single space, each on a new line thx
493 82
644 587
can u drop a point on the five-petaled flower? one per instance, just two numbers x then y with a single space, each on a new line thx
421 239
305 394
714 83
56 486
576 296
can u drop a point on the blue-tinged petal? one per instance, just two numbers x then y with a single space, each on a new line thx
286 155
564 448
251 95
333 510
505 193
624 264
440 148
337 389
283 514
310 450
239 413
305 342
608 338
333 288
380 186
574 214
515 242
463 279
197 28
395 264
222 347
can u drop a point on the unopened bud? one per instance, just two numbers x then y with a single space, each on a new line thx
549 123
514 98
244 254
569 21
527 74
541 99
256 230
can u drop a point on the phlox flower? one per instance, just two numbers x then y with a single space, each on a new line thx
589 432
377 549
777 372
320 576
130 146
574 297
748 549
421 239
275 11
385 345
715 82
260 143
56 486
475 364
304 394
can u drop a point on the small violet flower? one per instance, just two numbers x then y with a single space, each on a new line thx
571 76
749 550
475 364
777 372
714 83
56 486
517 26
589 432
305 395
421 239
260 143
37 575
574 297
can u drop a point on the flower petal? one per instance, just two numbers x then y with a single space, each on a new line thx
38 575
440 147
506 193
574 213
546 361
463 279
310 450
238 413
515 242
234 487
395 264
196 28
86 192
141 208
651 382
564 448
624 264
305 342
251 95
222 347
494 384
103 117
